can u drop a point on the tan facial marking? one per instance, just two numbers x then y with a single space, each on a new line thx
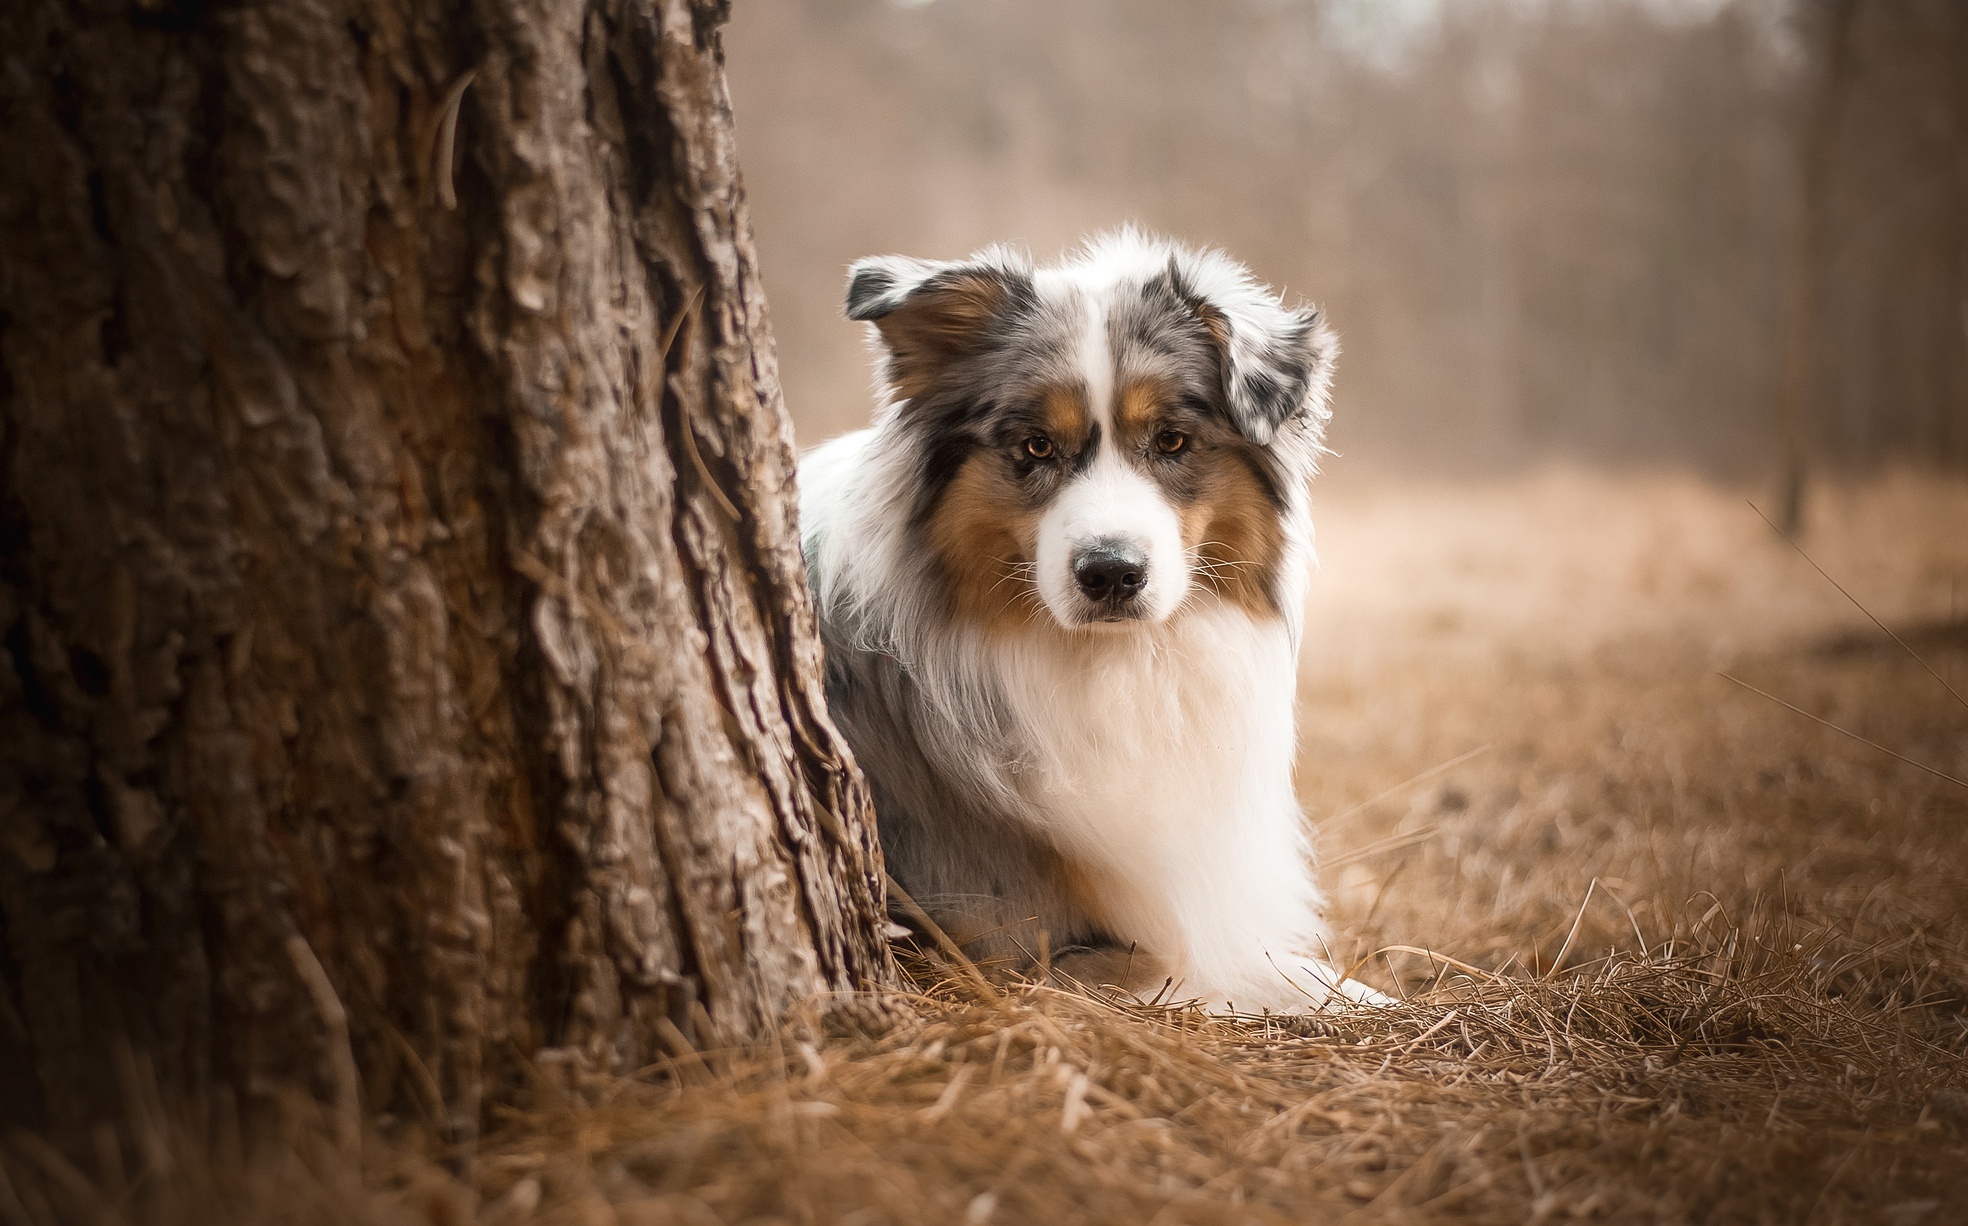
1066 416
985 533
1141 404
1232 533
1229 527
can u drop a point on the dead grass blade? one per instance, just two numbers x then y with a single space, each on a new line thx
1571 936
1435 956
949 947
1403 786
1938 774
1396 843
1904 645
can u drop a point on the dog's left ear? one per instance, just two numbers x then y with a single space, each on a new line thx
932 313
1276 361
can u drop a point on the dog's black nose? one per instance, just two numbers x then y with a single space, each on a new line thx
1111 571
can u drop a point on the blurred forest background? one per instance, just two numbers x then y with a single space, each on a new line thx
1696 232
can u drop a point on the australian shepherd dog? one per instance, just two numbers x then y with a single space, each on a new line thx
1060 584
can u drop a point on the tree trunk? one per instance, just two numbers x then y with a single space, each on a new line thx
399 575
1952 446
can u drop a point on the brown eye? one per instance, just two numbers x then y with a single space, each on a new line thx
1168 442
1039 447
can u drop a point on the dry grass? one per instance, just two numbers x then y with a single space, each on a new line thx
1715 954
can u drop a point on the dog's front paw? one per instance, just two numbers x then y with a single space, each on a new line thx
1325 988
1107 970
1282 986
1360 994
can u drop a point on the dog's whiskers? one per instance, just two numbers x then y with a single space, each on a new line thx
1015 571
1214 569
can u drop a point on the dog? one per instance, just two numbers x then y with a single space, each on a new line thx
1060 583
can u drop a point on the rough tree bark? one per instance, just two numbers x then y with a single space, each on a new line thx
398 564
1954 425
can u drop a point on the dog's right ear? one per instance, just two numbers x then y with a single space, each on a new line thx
930 313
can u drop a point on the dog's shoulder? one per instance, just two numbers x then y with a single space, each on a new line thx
828 474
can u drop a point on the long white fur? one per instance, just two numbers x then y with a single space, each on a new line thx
1158 753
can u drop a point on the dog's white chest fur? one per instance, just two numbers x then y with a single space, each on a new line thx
1162 763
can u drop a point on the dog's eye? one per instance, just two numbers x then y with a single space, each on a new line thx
1169 442
1039 447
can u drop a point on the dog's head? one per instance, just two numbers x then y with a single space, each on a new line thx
1103 438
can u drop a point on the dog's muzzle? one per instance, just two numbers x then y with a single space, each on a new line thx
1111 573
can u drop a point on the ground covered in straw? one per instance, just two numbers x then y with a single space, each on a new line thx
1670 950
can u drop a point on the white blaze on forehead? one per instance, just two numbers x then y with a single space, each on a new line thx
1097 364
1111 500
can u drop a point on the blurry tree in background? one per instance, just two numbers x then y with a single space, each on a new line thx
1893 330
1828 29
1563 227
